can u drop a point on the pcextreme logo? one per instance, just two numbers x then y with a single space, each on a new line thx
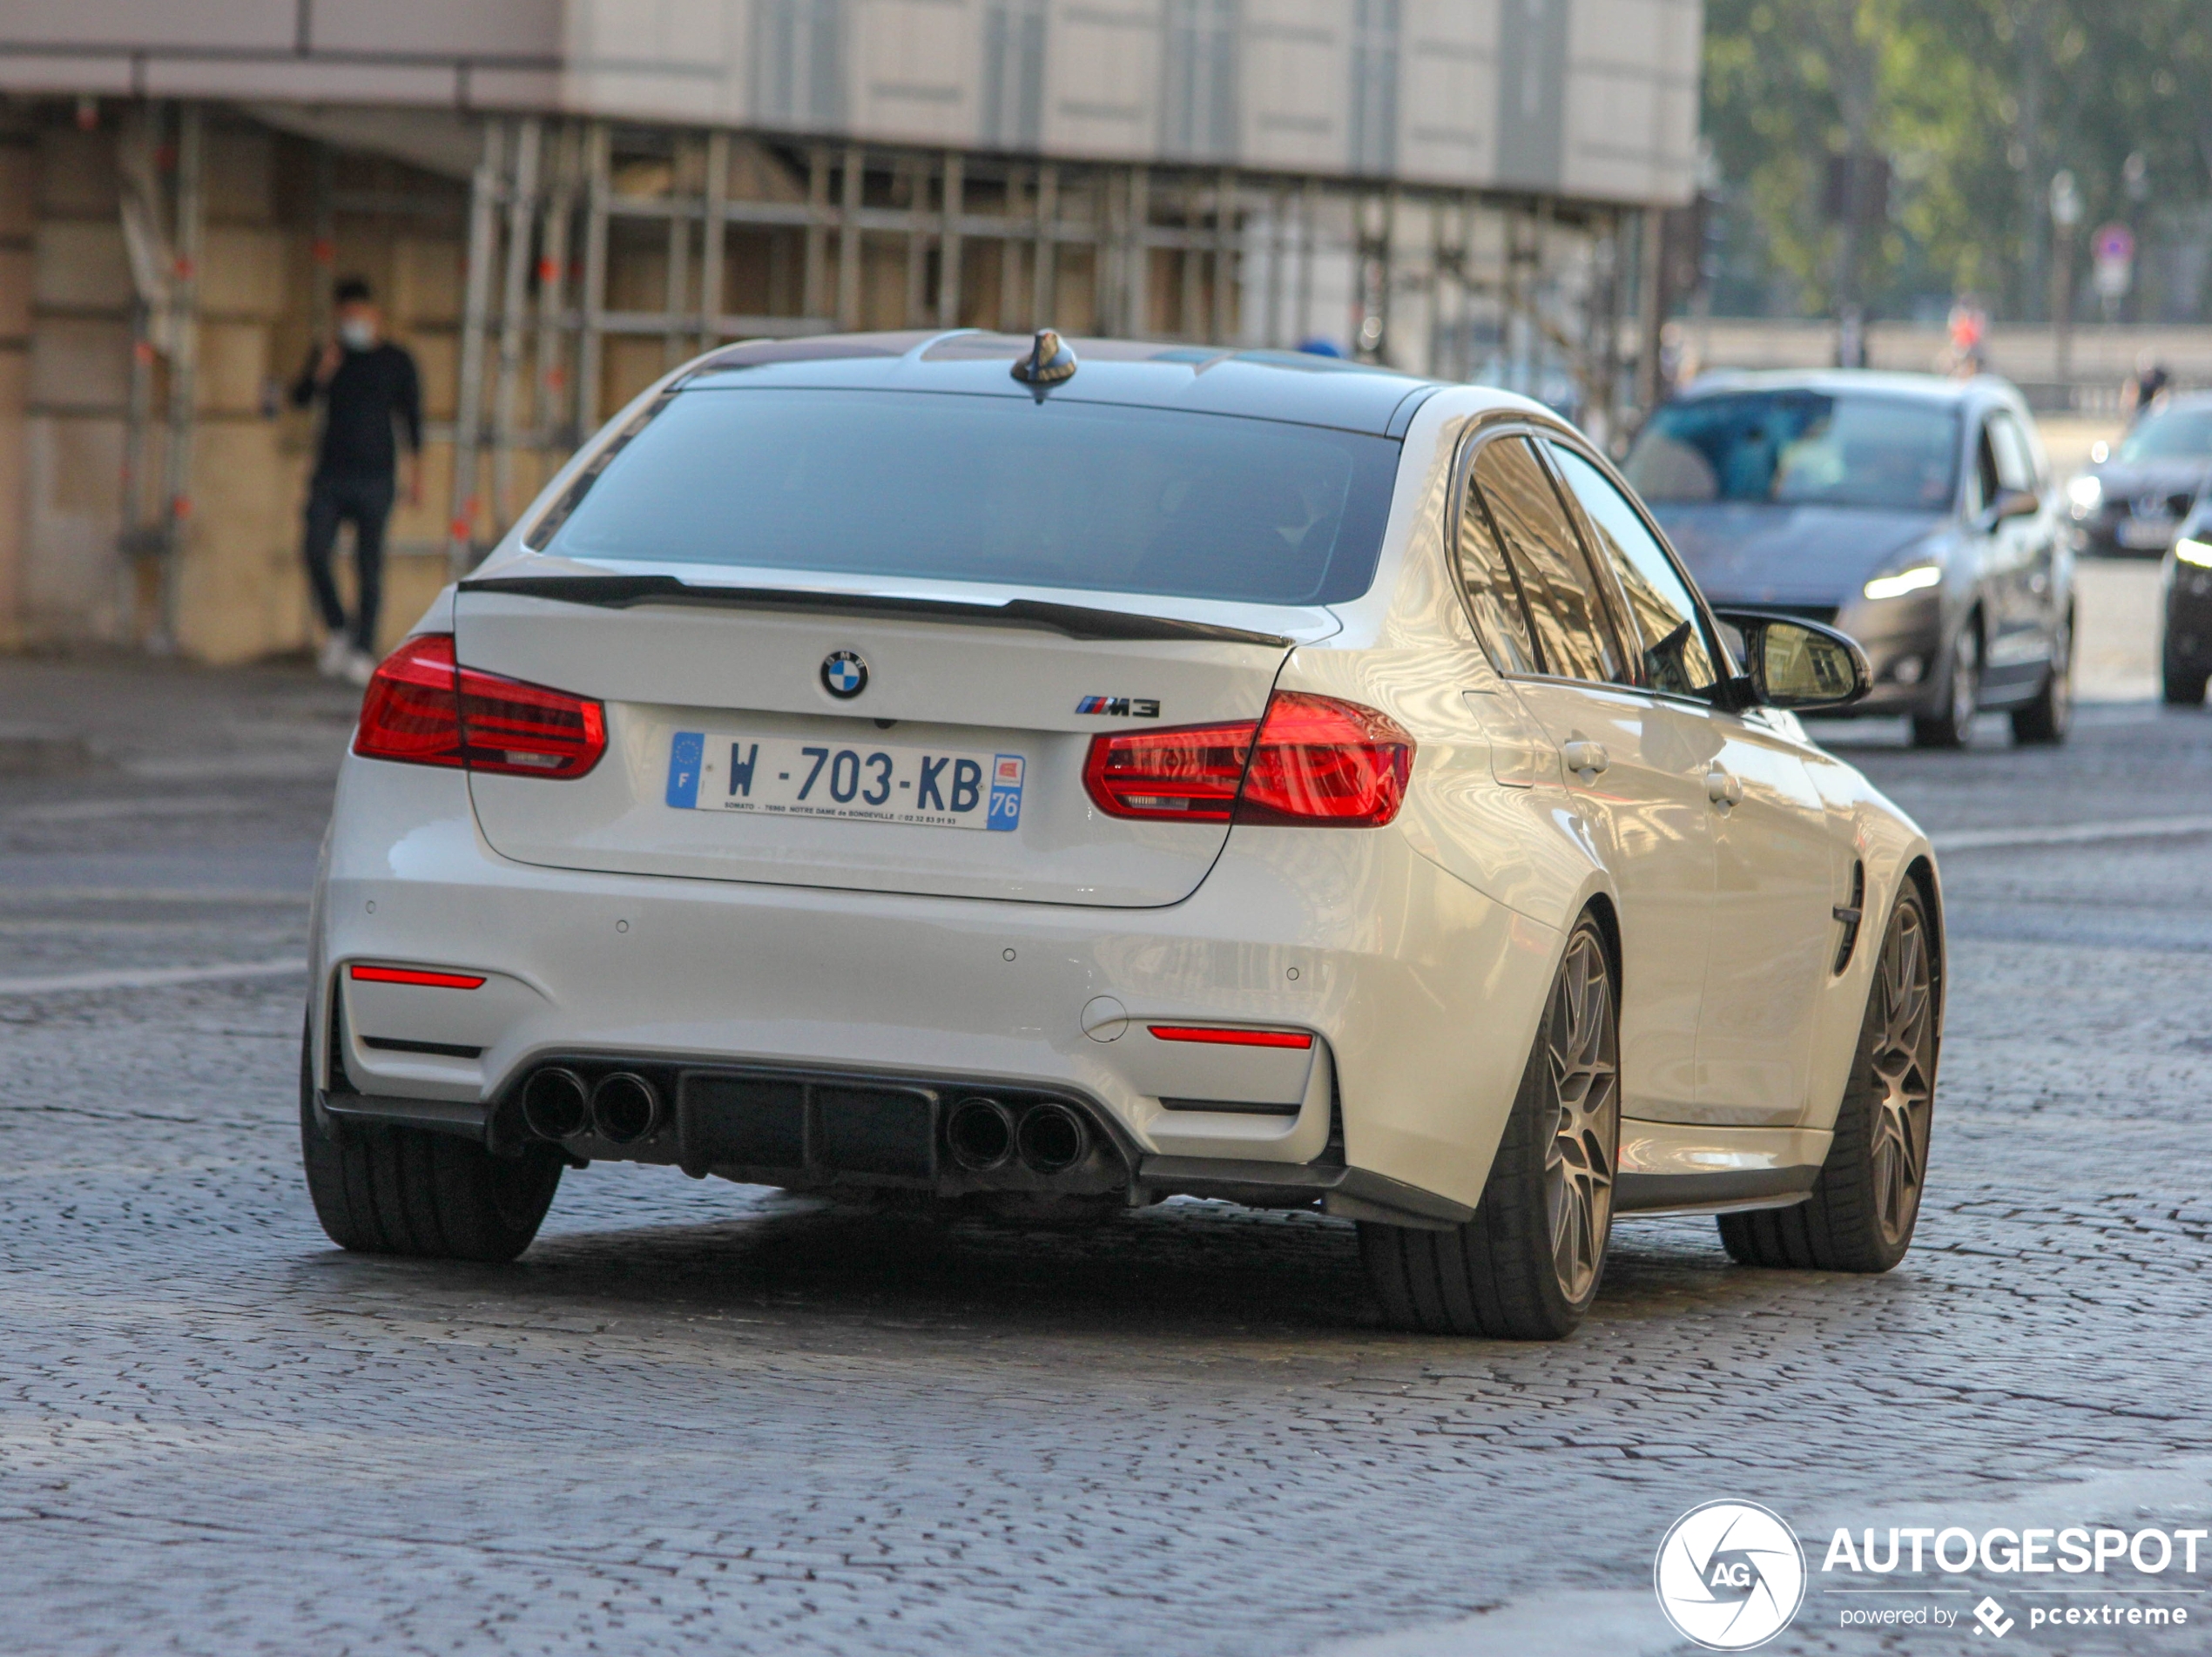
1730 1575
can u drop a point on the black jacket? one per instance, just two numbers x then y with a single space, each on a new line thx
371 390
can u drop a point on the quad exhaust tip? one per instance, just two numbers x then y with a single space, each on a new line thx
1052 1138
554 1103
625 1108
980 1132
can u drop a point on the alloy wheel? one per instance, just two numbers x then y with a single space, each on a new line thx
1903 1071
1582 1067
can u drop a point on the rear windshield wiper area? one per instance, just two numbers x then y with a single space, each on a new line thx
1074 621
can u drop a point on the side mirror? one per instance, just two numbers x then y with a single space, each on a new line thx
1790 664
2013 503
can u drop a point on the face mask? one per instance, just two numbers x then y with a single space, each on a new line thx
357 335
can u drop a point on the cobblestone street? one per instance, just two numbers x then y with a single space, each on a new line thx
707 1417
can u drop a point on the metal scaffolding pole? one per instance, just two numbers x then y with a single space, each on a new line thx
1138 262
1224 259
814 277
848 238
948 243
1309 230
184 367
552 288
680 211
467 426
1044 265
917 176
714 232
521 205
1009 259
592 302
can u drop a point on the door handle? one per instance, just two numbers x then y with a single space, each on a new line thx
1723 788
1585 756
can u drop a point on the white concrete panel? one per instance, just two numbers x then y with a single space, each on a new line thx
1613 83
1295 83
1449 87
227 24
479 29
1632 99
1103 79
915 70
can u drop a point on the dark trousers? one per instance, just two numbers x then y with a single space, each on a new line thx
366 502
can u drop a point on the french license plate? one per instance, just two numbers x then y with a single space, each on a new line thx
712 771
2147 535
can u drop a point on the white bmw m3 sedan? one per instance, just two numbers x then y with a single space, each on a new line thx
1047 776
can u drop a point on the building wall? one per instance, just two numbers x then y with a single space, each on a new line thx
1593 99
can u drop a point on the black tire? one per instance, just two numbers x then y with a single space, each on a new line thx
2047 719
406 1191
1950 722
1550 1187
2182 686
1866 1202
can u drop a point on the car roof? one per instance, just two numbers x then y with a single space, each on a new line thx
2180 402
1924 387
1298 387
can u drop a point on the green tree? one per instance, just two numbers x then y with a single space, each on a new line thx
1974 104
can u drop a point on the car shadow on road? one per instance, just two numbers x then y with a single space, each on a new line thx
1186 1272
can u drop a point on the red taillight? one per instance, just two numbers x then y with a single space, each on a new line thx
1188 775
410 711
423 709
1322 761
416 975
1223 1035
1313 761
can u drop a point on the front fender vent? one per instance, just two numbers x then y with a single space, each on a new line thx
1852 914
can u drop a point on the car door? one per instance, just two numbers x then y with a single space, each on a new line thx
1675 659
1781 869
2022 555
1631 768
1985 550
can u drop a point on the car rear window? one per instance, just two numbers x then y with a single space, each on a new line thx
1791 448
1007 490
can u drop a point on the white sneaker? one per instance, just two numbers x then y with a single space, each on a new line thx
359 667
336 658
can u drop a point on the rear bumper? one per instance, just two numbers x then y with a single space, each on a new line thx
1421 994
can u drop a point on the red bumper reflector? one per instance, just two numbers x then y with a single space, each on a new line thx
1221 1036
416 975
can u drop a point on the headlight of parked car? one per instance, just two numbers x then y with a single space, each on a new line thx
2191 550
2087 493
1904 581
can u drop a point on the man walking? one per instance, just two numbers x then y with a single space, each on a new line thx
367 386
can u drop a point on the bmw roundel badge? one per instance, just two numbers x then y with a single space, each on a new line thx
844 673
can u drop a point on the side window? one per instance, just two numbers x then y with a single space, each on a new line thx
1564 609
2015 468
1492 592
1662 612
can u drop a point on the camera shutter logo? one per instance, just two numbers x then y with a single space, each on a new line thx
1730 1575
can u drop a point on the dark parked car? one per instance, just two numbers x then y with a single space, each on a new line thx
2134 500
1916 514
2186 655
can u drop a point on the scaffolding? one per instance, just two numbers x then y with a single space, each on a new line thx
584 233
593 255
